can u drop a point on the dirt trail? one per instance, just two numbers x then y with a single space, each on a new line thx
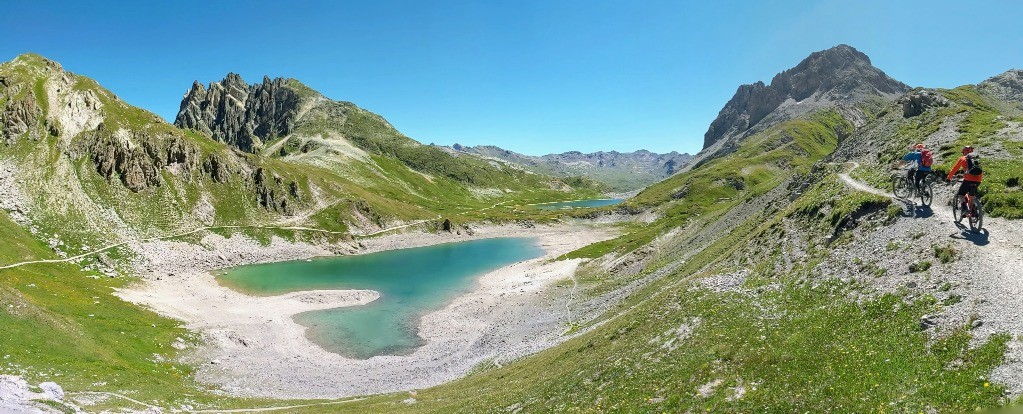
991 267
856 185
154 408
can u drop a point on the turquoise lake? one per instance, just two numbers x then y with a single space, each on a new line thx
411 282
579 204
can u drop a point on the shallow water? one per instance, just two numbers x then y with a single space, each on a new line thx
580 204
411 282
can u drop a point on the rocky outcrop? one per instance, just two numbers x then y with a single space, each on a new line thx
840 75
238 114
20 116
136 158
44 99
919 100
1007 86
214 167
273 193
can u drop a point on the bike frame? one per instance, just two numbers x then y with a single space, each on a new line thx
968 198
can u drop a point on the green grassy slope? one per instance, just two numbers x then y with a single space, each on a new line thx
63 324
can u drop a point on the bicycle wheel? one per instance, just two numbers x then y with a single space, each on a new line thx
900 187
977 218
957 215
926 193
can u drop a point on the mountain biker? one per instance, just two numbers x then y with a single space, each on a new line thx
922 159
972 176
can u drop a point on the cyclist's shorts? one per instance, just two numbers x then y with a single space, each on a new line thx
920 175
968 187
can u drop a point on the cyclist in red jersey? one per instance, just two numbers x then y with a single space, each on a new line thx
972 177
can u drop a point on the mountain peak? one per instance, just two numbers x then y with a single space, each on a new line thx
239 114
840 52
839 75
36 63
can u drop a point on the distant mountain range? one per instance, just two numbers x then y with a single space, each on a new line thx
622 172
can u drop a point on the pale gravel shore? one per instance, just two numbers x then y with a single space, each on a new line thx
253 347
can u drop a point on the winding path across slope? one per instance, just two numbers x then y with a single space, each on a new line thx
232 410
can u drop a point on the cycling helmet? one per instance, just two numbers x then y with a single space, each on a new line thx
967 149
920 146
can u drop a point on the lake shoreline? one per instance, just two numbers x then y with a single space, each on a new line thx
253 347
411 283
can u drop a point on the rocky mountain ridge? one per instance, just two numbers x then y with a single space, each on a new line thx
282 118
242 115
91 122
841 75
1007 86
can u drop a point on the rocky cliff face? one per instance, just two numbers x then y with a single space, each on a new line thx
19 116
239 114
135 158
840 75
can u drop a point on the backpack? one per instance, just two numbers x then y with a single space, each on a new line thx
926 158
973 165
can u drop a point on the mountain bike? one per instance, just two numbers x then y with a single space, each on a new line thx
973 212
904 186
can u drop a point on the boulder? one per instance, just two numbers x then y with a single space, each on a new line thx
918 101
52 390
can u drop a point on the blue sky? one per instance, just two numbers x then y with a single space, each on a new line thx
531 76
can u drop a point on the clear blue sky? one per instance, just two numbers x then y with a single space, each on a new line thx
532 76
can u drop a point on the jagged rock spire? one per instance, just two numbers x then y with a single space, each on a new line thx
239 114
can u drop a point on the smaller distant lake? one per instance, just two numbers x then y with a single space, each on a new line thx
580 204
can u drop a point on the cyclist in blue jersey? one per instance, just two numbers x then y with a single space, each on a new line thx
922 160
